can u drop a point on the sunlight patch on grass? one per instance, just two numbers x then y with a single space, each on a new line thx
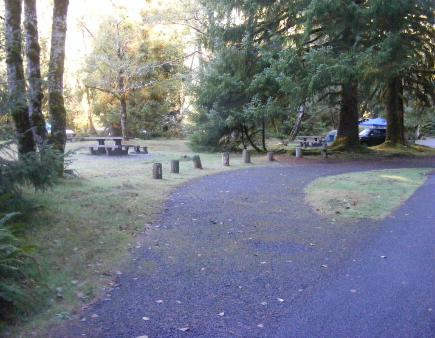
370 194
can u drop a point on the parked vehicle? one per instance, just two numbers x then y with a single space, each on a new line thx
369 136
70 134
372 136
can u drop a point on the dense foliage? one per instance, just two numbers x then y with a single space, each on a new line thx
134 76
337 60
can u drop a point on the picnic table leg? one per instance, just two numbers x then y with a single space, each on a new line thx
101 142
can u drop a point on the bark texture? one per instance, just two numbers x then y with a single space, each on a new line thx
55 78
15 71
175 166
395 112
347 133
35 94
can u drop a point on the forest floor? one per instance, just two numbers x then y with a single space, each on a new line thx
241 254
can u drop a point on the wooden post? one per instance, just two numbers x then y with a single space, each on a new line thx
157 171
175 166
298 152
145 150
270 156
196 162
324 151
246 156
226 159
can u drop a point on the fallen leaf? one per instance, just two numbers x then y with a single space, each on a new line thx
263 303
260 325
324 266
184 329
146 318
280 300
384 257
142 336
159 301
94 315
221 314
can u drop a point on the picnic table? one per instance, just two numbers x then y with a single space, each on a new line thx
311 141
116 149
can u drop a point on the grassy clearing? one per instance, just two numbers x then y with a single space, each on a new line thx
370 194
85 226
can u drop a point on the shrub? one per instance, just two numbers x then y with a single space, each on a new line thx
18 273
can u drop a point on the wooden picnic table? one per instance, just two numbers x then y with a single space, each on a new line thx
102 139
117 149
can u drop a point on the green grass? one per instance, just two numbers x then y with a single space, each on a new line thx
85 226
370 194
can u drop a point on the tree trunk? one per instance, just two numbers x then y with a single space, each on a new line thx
56 103
124 130
347 133
263 133
33 49
394 109
15 71
251 141
90 120
298 123
226 159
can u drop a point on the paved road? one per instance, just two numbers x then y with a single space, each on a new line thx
240 255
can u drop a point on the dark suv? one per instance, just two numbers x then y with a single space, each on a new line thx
372 136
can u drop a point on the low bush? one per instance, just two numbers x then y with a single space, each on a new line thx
18 273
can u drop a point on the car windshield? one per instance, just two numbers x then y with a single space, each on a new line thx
364 132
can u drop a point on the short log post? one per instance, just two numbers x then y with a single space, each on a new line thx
175 166
246 155
196 162
145 150
157 171
226 159
298 152
324 151
270 156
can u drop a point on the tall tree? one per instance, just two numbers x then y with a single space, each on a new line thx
56 102
34 72
402 57
334 31
16 86
130 65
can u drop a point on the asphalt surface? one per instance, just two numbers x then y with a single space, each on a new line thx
240 254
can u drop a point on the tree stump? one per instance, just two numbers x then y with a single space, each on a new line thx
270 156
175 166
298 152
196 162
226 159
246 155
157 171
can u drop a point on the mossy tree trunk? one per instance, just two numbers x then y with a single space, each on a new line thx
55 77
347 133
395 111
35 94
15 72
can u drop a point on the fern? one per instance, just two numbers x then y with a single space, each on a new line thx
18 273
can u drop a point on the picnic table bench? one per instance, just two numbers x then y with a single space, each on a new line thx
116 149
311 141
